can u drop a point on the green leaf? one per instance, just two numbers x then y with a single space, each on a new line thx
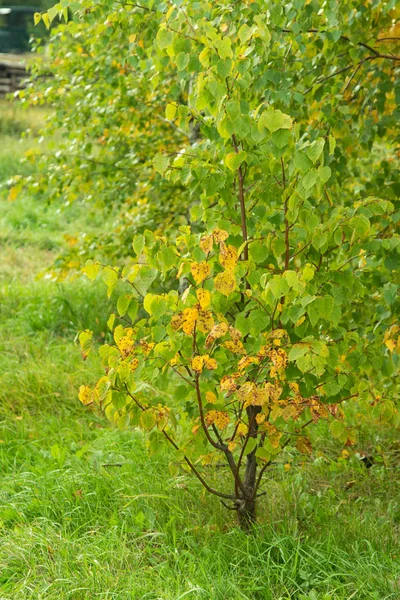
148 420
224 48
111 321
123 304
251 444
314 151
302 162
324 173
278 286
138 244
274 120
91 269
85 341
297 351
110 278
170 111
167 258
310 179
338 430
161 163
182 61
233 160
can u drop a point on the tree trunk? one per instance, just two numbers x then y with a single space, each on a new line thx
247 502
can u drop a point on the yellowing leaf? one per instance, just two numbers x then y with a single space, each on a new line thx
197 364
235 346
246 361
220 235
85 395
216 332
218 418
148 420
205 321
391 344
228 256
13 193
200 271
225 283
177 321
206 243
210 363
303 445
204 298
133 365
211 397
228 384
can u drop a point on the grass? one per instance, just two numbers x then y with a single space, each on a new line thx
85 514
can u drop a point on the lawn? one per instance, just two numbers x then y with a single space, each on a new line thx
84 512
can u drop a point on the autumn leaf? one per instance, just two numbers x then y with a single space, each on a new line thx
200 271
85 395
198 364
206 243
216 332
225 283
219 418
220 235
204 297
210 363
211 397
228 256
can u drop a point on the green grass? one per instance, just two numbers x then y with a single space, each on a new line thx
84 512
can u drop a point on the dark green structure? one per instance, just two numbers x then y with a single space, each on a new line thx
16 27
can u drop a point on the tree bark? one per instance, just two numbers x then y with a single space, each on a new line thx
246 503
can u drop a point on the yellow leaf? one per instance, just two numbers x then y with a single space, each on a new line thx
234 333
235 347
177 321
190 316
228 256
300 321
211 397
246 361
13 193
242 430
219 418
206 243
204 297
228 384
197 364
216 332
85 395
125 345
200 271
210 363
225 283
391 344
220 235
134 364
205 321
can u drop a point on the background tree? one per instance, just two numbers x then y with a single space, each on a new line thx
290 250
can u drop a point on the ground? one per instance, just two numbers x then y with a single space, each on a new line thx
84 512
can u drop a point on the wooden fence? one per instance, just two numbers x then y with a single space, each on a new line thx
12 73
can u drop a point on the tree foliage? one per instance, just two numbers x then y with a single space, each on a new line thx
274 304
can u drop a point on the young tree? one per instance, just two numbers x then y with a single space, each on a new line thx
277 303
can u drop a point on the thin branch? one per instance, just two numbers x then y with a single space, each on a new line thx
186 459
